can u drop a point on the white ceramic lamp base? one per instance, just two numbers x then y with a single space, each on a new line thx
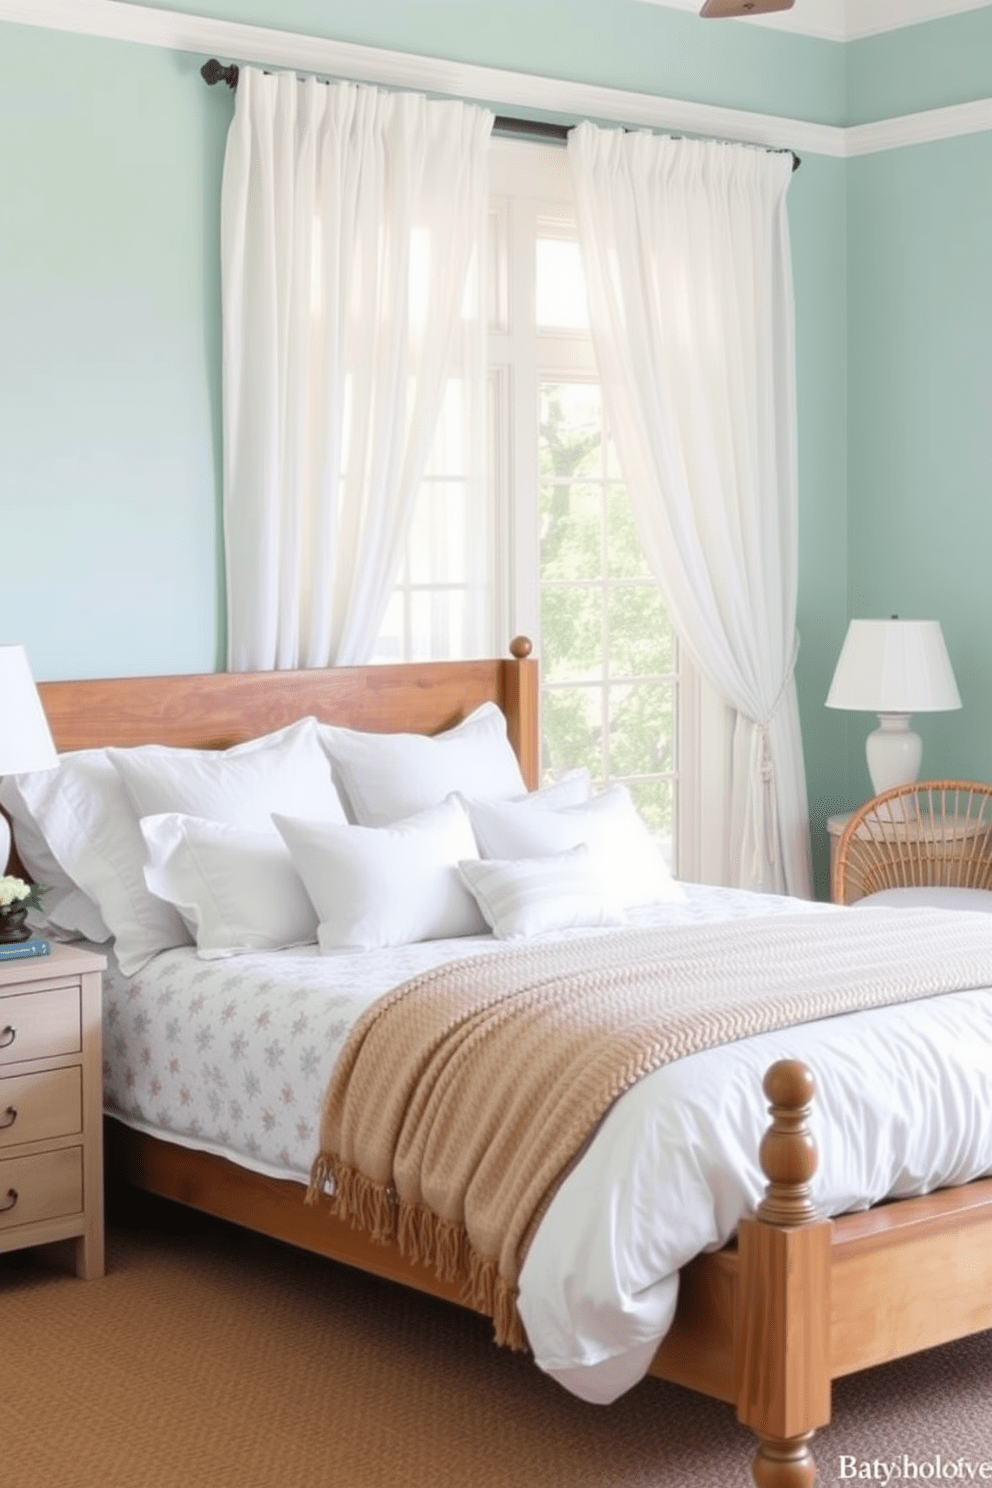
4 844
894 752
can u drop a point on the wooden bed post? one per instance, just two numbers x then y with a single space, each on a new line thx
520 704
782 1318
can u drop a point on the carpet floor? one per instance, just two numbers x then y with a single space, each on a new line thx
210 1358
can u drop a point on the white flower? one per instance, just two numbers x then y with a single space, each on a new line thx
12 890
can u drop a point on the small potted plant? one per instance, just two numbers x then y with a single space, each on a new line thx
16 899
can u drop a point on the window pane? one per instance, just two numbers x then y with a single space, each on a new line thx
571 430
572 730
571 531
641 643
561 286
641 729
626 559
572 633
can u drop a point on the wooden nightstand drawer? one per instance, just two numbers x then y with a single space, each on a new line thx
39 1024
35 1107
46 1186
51 1104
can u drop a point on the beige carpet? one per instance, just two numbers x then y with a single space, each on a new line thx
209 1357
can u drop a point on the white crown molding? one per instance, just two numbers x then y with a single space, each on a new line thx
920 129
844 20
271 48
173 30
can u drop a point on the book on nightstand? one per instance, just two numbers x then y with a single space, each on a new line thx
36 946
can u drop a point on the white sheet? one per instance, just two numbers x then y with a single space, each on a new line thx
233 1057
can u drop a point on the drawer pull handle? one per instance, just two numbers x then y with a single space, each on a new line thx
9 1117
11 1200
7 1036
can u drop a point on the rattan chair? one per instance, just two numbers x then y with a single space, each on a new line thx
929 833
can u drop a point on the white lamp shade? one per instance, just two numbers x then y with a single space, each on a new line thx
894 666
25 738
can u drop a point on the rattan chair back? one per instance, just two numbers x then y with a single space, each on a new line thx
932 832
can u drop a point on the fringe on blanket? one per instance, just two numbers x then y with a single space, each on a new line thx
422 1236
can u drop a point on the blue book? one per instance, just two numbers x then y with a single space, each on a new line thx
36 946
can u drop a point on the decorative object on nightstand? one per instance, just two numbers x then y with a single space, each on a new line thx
25 738
51 1104
894 668
16 899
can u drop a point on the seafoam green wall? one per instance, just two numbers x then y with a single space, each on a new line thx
110 163
110 159
920 374
920 422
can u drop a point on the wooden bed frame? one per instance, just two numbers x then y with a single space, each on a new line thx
765 1324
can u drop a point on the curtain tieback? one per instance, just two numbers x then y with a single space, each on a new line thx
763 769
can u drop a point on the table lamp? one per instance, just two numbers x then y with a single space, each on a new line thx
894 668
25 738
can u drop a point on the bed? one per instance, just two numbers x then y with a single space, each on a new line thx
765 1322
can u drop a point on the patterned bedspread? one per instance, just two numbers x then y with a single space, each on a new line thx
234 1056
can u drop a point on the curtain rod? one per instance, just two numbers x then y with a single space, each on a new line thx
535 129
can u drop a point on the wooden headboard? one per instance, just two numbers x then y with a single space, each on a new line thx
217 709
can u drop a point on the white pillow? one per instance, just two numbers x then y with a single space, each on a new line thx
937 896
235 889
388 777
283 771
66 907
622 850
571 789
88 821
386 886
534 895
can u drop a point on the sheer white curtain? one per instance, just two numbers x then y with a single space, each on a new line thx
686 251
352 238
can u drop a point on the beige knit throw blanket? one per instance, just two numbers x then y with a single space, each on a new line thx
462 1098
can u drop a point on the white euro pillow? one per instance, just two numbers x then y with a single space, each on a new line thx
622 850
235 889
86 814
388 777
573 788
283 771
86 817
532 896
67 910
386 886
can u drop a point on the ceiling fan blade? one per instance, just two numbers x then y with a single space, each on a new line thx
718 8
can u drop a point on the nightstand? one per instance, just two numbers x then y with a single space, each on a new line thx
835 827
51 1103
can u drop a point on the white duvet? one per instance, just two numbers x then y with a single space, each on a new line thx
233 1056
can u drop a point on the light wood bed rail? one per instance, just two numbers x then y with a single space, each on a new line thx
765 1324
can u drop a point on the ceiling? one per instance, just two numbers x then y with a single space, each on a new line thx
844 20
